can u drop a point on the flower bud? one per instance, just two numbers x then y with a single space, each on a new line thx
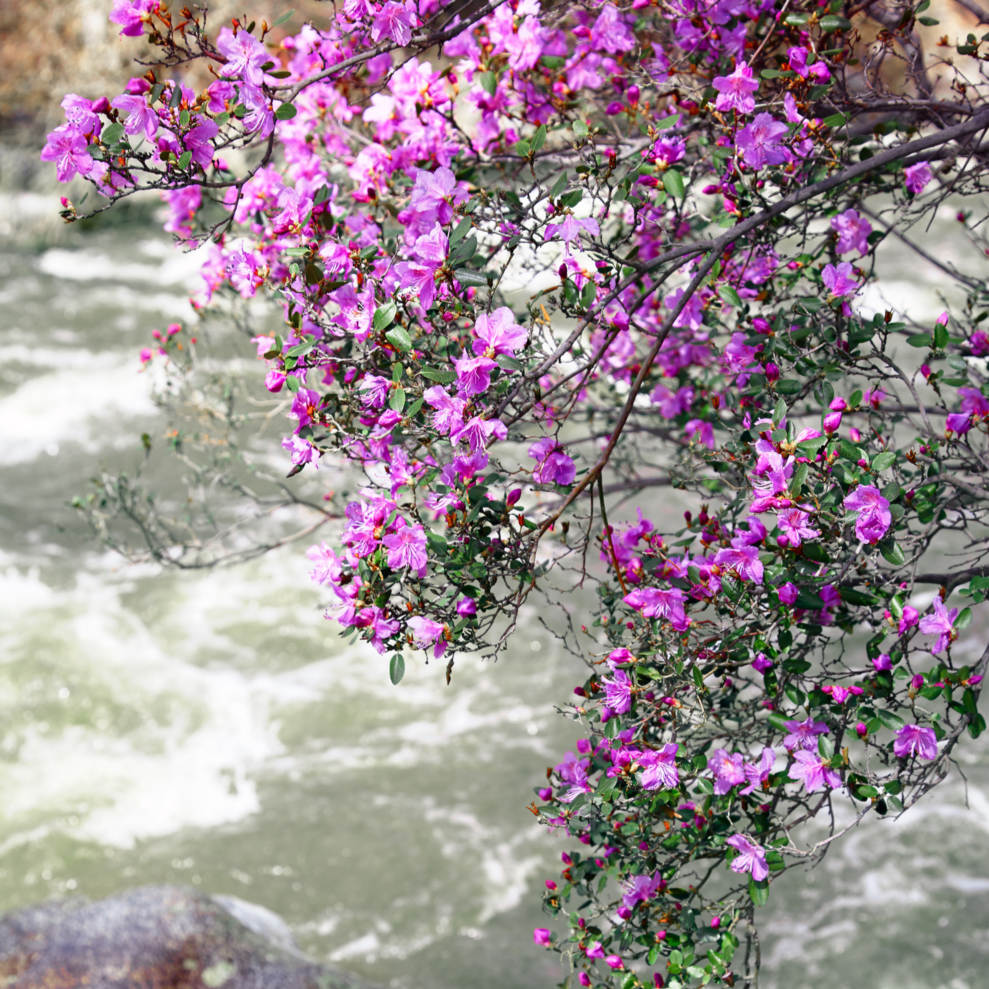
772 372
832 422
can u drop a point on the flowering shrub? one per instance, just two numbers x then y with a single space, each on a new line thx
532 259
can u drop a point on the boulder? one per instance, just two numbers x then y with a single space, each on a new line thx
157 937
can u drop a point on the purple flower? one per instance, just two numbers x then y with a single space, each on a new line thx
787 593
757 773
874 517
745 562
914 740
553 465
300 451
426 633
655 603
762 662
613 961
374 390
618 692
809 767
540 937
449 414
841 280
908 619
831 422
660 769
941 624
381 628
595 950
758 143
794 526
569 230
478 432
473 375
395 21
916 177
640 888
498 333
727 768
853 232
67 147
959 422
735 91
882 662
132 15
244 55
703 430
305 407
797 57
752 857
407 548
140 116
975 402
803 734
466 607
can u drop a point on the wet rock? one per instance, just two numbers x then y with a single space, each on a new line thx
157 937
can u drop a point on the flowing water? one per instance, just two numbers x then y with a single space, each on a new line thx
209 728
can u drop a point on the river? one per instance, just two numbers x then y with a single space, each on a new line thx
210 728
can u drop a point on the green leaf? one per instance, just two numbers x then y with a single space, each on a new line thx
729 295
889 720
835 120
831 22
964 619
892 553
185 159
862 598
673 183
396 668
825 746
508 363
435 374
759 891
383 316
285 112
287 16
489 82
580 128
522 149
467 277
396 400
572 198
588 294
559 187
399 337
940 336
460 231
112 134
919 340
928 21
292 383
883 461
606 787
779 723
553 61
539 138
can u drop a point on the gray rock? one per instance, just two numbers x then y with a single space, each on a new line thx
157 937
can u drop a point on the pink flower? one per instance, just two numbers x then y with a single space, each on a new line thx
840 281
466 607
478 432
735 91
660 769
655 603
67 147
909 618
803 734
916 177
569 231
132 15
874 517
841 694
727 768
407 548
757 773
553 465
613 961
473 375
941 624
974 402
595 950
395 21
140 116
640 888
882 662
810 768
853 231
703 430
914 740
244 56
498 333
794 525
758 143
761 663
426 633
541 937
958 422
745 562
618 692
787 593
752 857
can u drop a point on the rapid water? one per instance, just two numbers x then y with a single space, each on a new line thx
210 728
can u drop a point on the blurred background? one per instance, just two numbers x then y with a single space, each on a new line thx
208 727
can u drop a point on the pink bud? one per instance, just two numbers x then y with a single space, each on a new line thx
832 422
584 979
632 94
546 793
925 371
102 105
772 372
145 355
550 884
861 730
838 404
274 380
855 435
942 320
624 913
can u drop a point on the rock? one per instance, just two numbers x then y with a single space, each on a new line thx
157 937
